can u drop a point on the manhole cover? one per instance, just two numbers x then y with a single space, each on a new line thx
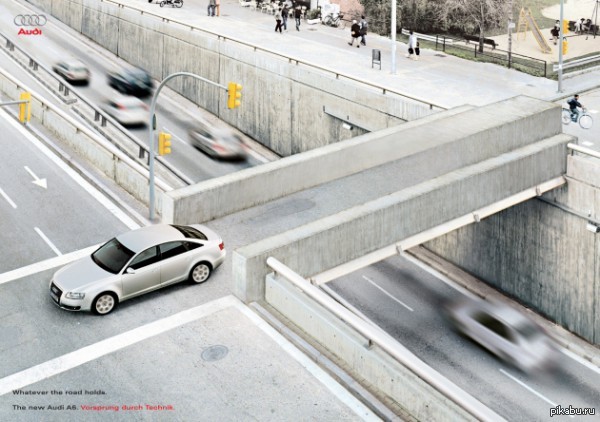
214 353
439 55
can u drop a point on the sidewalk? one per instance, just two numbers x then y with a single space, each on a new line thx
442 79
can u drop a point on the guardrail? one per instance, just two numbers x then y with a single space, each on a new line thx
583 150
576 63
377 336
69 96
290 58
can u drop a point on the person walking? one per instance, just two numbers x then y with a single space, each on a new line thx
278 20
363 30
355 32
212 4
298 16
284 15
412 45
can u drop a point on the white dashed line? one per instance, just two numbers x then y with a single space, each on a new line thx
48 242
385 292
12 204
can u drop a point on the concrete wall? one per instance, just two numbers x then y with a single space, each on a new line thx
331 241
271 84
451 139
375 368
541 254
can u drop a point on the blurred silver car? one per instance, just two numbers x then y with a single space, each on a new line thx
217 142
505 332
135 263
72 71
129 111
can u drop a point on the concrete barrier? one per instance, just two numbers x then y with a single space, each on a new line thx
450 139
342 237
375 368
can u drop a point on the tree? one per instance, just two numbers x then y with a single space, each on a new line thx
474 15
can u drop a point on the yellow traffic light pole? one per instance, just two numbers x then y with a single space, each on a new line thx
24 104
152 124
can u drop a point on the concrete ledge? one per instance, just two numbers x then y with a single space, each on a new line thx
374 367
342 237
451 139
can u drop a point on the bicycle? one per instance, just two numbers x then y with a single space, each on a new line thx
336 22
584 119
173 3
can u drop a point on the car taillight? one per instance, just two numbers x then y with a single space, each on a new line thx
222 245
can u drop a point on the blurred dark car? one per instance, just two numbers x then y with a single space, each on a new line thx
505 332
219 143
132 82
73 71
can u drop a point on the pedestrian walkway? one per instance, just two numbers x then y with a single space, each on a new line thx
442 79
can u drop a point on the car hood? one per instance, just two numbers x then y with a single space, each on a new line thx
80 274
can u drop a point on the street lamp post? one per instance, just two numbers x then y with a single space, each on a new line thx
152 128
560 47
393 36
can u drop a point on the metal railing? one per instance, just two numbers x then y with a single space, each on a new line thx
289 58
387 343
69 96
583 150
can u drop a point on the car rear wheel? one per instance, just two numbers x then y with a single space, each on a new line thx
104 303
201 272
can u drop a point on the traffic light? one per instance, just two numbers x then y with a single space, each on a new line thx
565 26
234 96
164 143
565 46
25 108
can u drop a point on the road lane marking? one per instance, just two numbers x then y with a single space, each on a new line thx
580 360
102 199
384 291
36 180
522 384
46 264
12 204
48 242
94 351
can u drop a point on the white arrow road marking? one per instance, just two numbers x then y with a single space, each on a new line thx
37 180
8 199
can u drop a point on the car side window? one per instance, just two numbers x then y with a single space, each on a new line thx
191 245
493 325
171 249
147 257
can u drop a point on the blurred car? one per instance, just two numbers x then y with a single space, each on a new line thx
219 143
135 263
131 81
129 111
73 71
505 332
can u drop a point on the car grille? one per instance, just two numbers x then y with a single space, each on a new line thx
55 293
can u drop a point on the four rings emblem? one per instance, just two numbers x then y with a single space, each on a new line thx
30 20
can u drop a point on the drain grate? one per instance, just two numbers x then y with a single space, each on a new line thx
213 353
439 55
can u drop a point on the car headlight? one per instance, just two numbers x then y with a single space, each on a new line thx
75 295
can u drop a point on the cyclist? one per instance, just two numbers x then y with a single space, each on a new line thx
573 106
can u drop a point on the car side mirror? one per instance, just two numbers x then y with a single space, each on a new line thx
130 270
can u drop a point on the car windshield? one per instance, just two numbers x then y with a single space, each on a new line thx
112 256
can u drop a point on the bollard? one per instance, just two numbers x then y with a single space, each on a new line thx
376 59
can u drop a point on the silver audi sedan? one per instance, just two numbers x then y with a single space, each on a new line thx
135 263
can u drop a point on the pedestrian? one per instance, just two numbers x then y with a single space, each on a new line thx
363 30
298 16
412 46
555 34
212 4
355 32
284 16
579 26
278 20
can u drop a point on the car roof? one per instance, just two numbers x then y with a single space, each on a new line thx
142 238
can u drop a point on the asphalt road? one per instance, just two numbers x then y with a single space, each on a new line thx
174 113
587 137
405 301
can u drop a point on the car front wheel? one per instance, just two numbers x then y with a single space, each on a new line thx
201 272
104 303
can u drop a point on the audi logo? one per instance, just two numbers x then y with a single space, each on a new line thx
30 20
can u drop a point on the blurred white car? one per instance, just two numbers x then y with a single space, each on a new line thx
505 332
72 71
219 143
129 111
135 263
